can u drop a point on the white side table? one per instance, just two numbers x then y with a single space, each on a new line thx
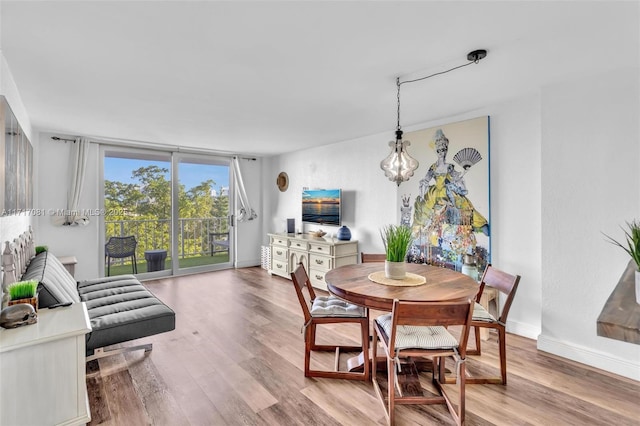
69 263
42 369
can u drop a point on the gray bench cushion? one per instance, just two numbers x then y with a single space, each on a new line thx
121 309
56 284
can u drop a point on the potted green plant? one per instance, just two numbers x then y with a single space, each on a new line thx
632 247
24 292
396 240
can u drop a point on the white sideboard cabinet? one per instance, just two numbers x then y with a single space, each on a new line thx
318 255
42 369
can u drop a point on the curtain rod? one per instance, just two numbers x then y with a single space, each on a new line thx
56 138
156 146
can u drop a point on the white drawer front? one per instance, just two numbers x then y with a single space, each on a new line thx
279 253
279 241
298 245
320 248
317 278
279 266
346 260
323 263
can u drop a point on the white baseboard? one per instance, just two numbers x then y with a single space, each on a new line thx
590 357
523 329
247 263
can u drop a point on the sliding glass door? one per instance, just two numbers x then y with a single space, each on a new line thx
203 232
166 213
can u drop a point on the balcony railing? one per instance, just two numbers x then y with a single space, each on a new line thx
195 235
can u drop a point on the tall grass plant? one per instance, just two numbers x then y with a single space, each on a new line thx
396 240
23 289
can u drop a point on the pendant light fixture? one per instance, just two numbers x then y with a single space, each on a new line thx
399 166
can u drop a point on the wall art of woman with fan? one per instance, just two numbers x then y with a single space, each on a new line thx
450 230
445 200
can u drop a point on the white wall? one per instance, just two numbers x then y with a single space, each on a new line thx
590 157
53 181
351 166
563 168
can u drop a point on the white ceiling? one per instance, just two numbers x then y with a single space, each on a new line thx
270 77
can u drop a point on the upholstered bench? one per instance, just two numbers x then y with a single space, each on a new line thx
120 308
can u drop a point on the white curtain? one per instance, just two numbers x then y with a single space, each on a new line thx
77 169
245 212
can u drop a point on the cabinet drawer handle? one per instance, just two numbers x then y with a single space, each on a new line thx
319 277
278 265
319 248
279 253
319 262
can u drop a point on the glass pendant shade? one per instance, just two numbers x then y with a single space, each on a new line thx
399 166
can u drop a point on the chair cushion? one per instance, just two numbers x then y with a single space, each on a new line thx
333 307
481 314
418 337
56 284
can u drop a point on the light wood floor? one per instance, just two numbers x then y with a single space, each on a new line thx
236 358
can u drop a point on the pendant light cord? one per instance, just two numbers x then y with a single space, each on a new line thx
438 73
398 84
473 57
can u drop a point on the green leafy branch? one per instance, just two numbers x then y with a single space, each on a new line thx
632 240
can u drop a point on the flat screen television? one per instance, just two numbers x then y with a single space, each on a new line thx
322 206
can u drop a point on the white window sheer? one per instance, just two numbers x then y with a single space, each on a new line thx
245 212
77 169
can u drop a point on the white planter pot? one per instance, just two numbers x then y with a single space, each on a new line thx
395 270
637 287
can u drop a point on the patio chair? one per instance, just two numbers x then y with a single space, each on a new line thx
119 248
218 242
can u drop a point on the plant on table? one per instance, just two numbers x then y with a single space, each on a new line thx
396 240
632 241
23 289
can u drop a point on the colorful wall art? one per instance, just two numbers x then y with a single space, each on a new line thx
446 202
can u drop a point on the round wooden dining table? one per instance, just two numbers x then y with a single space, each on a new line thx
352 283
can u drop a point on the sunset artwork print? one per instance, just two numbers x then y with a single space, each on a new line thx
321 206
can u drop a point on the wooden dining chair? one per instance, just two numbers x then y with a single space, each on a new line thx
506 284
321 310
372 257
415 330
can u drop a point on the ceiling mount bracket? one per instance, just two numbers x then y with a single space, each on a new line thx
476 55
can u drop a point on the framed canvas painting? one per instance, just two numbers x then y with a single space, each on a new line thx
446 202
